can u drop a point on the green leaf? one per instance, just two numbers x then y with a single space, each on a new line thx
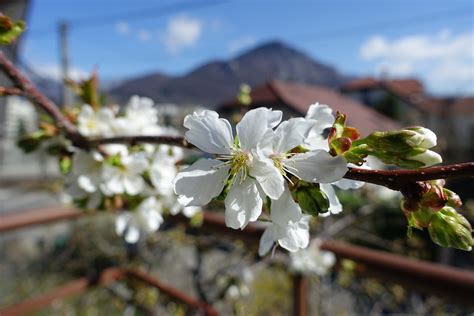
10 30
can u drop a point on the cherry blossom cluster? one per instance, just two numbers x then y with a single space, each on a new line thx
262 166
134 179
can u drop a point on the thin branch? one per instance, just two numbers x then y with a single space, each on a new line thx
397 179
392 179
35 96
133 140
6 91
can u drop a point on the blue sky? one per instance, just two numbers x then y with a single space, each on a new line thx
432 40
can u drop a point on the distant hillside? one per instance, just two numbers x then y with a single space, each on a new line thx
218 81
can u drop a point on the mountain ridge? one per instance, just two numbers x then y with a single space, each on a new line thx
218 80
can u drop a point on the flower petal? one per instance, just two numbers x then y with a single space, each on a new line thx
243 203
322 114
208 132
136 163
132 234
266 241
285 209
121 222
254 124
86 183
335 207
133 184
291 133
268 177
317 166
296 236
200 182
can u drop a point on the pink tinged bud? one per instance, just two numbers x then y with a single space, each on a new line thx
428 158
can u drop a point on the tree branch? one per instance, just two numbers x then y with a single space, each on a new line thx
6 91
35 96
392 179
398 179
134 140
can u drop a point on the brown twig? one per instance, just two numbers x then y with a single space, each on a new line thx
133 140
6 91
396 179
35 96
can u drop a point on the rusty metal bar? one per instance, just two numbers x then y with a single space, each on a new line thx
172 292
300 295
71 288
107 276
453 283
447 282
38 216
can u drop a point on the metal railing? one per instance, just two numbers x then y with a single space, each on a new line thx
450 283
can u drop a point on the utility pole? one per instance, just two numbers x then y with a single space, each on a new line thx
66 96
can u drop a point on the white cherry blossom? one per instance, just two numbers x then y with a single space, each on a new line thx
126 178
95 123
251 178
147 218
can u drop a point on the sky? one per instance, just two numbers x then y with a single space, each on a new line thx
427 39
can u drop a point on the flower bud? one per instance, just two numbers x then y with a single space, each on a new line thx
420 219
428 137
312 200
428 158
450 229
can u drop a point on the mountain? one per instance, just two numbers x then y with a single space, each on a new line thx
217 81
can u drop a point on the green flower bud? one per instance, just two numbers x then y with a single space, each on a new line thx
311 200
450 229
421 218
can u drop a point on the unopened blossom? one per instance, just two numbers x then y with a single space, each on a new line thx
127 177
289 227
147 218
95 123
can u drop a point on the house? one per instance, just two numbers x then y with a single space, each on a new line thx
294 99
396 98
405 100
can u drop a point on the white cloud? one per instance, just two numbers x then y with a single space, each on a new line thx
53 71
123 28
445 61
144 36
241 43
182 31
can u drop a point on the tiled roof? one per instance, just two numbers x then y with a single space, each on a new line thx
405 88
451 106
299 97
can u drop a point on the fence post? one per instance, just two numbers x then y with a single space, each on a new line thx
300 306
